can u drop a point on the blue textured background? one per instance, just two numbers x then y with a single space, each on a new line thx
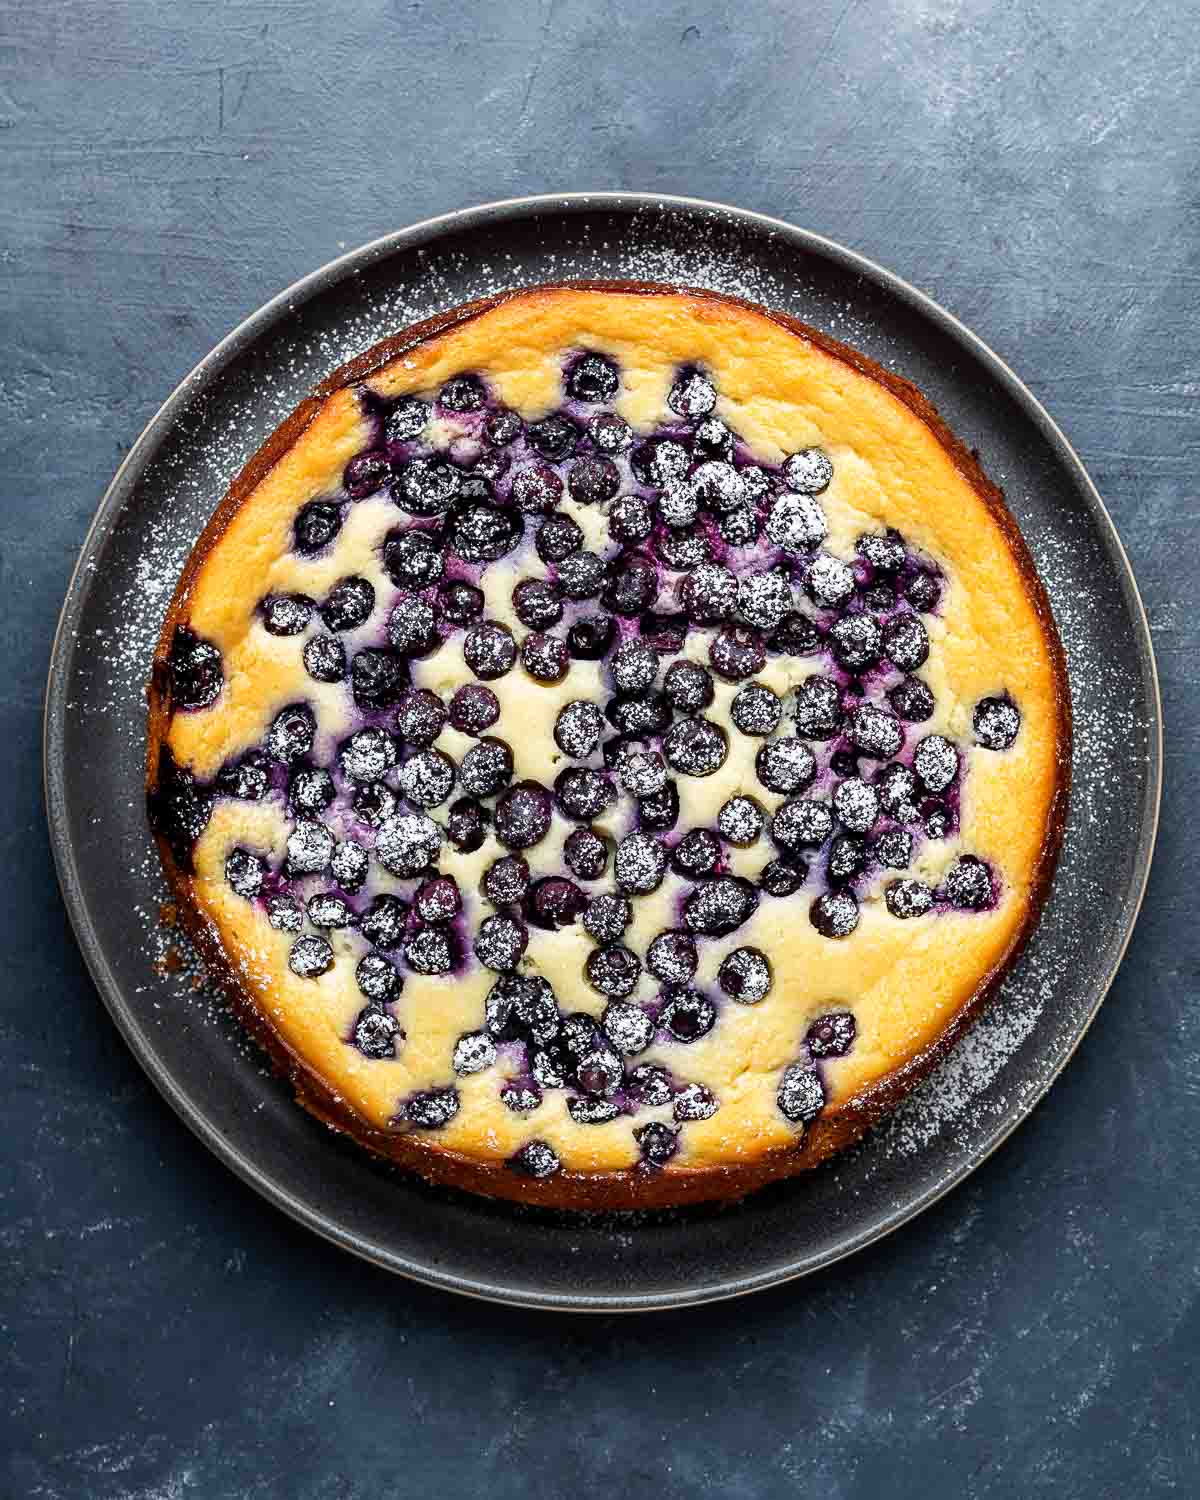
166 167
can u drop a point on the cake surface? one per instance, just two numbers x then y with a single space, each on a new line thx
608 742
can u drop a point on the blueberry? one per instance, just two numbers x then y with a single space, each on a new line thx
875 732
413 558
536 1159
856 641
785 765
938 821
503 427
375 1031
835 914
377 678
658 461
523 815
245 872
592 1111
847 859
832 1035
740 821
968 884
684 547
421 717
463 393
696 746
486 768
427 778
632 588
912 701
438 899
310 957
905 642
720 905
696 853
678 503
291 733
315 526
936 762
688 1015
883 550
349 864
432 1108
650 1084
406 420
908 898
429 951
484 533
606 917
545 657
473 1052
764 599
664 632
709 594
737 652
880 598
384 921
327 910
783 877
284 914
555 902
459 603
536 490
407 844
558 538
659 812
591 636
996 722
555 437
640 714
374 803
520 1098
348 604
248 779
593 480
756 710
923 592
427 486
467 824
745 976
828 581
756 483
630 519
583 793
489 467
613 970
672 957
366 756
489 650
599 1071
593 378
610 433
634 666
688 686
844 763
693 394
739 527
856 803
893 849
713 440
694 1102
578 728
801 823
311 790
582 575
194 670
640 864
808 472
585 854
366 475
286 614
657 1142
537 604
412 626
642 772
801 1094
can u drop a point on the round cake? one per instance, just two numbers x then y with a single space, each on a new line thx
608 742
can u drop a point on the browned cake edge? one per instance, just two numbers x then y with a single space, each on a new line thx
639 1187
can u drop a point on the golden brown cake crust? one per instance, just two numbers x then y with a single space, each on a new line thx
633 1186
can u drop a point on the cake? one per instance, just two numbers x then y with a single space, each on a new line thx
608 743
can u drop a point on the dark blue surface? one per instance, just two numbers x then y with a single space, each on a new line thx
164 1333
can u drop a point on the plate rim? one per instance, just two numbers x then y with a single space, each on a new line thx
115 496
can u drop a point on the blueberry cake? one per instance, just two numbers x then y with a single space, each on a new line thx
609 741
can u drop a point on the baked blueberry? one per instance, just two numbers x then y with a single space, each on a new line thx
593 480
503 427
817 708
684 547
578 728
316 525
328 910
593 378
857 641
847 859
412 626
310 957
545 657
642 772
427 486
938 821
640 714
473 709
286 614
906 642
473 1052
649 1084
693 395
606 917
968 884
630 519
908 898
657 1142
808 472
521 1098
377 678
523 815
739 526
407 843
828 581
737 652
311 790
459 603
632 588
663 631
688 686
248 779
996 722
583 793
893 849
375 1031
802 823
406 420
756 710
639 864
923 591
936 762
325 658
785 765
557 538
884 550
348 604
709 594
536 1159
879 598
484 533
467 824
284 914
740 821
912 701
695 746
720 905
426 778
764 599
430 951
555 902
783 877
796 635
694 1102
431 1109
592 1111
716 484
413 558
348 864
438 899
796 523
713 440
634 666
832 1035
599 1070
688 1015
195 670
678 503
590 637
856 803
875 732
490 466
537 603
421 716
373 803
384 921
582 575
245 872
486 768
745 975
536 490
554 437
489 650
835 914
659 812
291 733
672 957
366 756
610 433
463 393
613 970
366 475
585 854
801 1094
696 853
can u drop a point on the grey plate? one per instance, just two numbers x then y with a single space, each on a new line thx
157 505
